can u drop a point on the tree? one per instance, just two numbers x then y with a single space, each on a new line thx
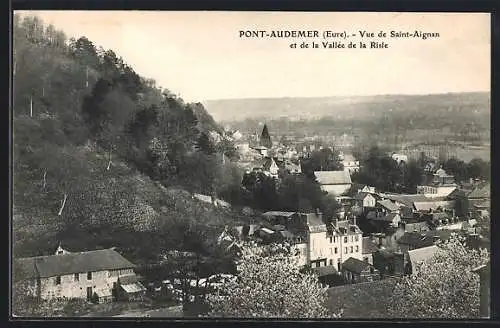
442 287
477 168
270 285
321 160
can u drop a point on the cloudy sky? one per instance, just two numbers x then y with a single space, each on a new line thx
200 55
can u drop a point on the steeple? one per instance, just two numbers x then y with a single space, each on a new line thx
265 138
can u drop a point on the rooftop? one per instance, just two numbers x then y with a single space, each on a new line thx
58 265
420 255
333 177
388 205
354 265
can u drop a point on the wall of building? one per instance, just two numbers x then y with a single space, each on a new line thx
339 189
369 201
69 288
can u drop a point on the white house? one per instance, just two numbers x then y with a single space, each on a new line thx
334 182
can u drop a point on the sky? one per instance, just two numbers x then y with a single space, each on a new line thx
200 55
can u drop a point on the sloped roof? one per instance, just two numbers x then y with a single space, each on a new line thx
419 255
407 199
279 213
325 271
416 239
386 218
388 205
481 191
333 177
58 265
354 265
368 246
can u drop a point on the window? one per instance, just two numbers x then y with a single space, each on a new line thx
352 238
89 275
331 239
336 250
356 238
357 248
58 280
346 250
345 239
331 262
351 249
77 277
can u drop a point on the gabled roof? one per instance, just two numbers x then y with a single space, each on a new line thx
362 195
368 246
333 177
485 204
481 191
354 265
388 205
58 265
315 222
420 255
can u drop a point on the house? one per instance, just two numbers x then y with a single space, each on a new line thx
328 275
389 262
369 246
355 271
484 272
399 158
365 200
420 255
290 167
350 164
91 275
478 200
367 189
334 182
413 240
384 221
387 206
268 166
262 150
440 184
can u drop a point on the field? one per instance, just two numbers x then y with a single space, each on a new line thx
362 301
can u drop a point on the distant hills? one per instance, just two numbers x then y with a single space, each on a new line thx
357 108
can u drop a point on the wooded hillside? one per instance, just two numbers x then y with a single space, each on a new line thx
103 157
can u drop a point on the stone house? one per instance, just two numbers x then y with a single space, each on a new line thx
356 271
85 275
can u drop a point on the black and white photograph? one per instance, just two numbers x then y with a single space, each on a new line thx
249 165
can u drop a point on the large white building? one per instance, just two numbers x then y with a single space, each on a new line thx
336 183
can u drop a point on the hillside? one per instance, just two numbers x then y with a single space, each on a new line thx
360 107
103 157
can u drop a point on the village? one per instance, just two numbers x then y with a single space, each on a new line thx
374 235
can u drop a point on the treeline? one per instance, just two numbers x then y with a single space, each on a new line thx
93 144
381 171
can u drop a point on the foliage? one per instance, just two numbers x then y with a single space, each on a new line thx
443 287
270 285
475 169
324 159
